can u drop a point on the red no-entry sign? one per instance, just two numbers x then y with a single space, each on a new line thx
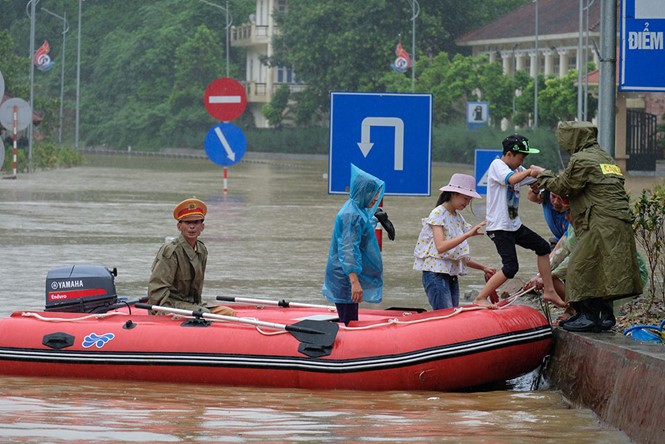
225 99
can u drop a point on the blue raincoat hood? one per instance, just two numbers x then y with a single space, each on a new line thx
363 188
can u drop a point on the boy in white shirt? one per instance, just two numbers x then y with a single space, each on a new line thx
504 227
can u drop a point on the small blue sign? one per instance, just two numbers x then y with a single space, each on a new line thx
482 162
477 114
388 135
225 144
642 45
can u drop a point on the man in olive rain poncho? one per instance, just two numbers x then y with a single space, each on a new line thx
604 265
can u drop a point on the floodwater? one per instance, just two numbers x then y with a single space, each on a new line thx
267 237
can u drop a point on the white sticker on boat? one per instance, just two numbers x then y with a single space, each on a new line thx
97 340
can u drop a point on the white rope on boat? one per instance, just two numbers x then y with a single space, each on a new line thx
29 314
457 310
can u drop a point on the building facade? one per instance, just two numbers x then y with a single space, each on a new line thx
262 81
551 37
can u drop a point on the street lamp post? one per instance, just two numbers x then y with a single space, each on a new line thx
78 79
32 4
415 11
65 28
535 80
227 21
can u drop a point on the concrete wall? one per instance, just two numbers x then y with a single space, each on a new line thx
620 379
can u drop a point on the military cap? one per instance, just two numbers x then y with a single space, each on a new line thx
190 209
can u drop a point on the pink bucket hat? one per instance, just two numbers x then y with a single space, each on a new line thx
463 184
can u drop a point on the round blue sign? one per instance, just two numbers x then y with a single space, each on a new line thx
225 144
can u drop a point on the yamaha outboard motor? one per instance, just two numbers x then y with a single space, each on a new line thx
83 288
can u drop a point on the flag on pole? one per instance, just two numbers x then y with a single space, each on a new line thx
42 59
403 61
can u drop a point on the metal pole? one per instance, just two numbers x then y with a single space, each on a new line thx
415 11
535 80
65 28
586 61
607 82
228 22
228 25
579 62
78 79
32 4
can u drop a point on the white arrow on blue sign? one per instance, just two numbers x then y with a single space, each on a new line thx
388 135
225 144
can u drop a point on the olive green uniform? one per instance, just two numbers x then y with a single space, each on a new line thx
177 275
604 263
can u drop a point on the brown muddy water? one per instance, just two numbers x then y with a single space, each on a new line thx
267 237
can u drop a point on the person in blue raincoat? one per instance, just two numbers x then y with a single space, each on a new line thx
354 272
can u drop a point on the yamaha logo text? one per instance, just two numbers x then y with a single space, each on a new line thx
59 285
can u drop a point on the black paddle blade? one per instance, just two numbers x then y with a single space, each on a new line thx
314 332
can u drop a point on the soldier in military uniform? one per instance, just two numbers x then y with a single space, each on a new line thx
604 265
179 267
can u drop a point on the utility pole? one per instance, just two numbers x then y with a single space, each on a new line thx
32 4
415 11
65 28
607 73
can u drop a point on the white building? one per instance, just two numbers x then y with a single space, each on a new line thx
261 80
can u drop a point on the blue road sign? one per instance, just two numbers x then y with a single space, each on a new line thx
477 114
389 135
225 144
483 159
642 45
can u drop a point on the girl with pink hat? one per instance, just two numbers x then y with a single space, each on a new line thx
442 252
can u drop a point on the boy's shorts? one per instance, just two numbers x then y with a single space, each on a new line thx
505 242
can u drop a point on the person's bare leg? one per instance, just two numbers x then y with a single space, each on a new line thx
549 293
492 284
559 287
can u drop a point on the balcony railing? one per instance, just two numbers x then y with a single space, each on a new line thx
258 92
249 34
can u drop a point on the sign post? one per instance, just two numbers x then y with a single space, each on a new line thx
16 114
225 99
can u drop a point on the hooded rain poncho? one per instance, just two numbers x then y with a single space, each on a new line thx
604 262
353 247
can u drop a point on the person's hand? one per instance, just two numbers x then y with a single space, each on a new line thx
222 310
356 292
535 283
489 272
536 170
475 231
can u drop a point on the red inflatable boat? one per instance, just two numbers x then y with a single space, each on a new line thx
272 346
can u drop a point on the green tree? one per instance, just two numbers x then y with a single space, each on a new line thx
345 45
274 111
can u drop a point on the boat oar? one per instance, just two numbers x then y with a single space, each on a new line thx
282 303
321 333
286 304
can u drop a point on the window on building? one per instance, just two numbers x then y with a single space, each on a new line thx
285 75
282 6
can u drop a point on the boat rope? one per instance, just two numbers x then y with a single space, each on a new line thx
82 318
457 310
394 321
